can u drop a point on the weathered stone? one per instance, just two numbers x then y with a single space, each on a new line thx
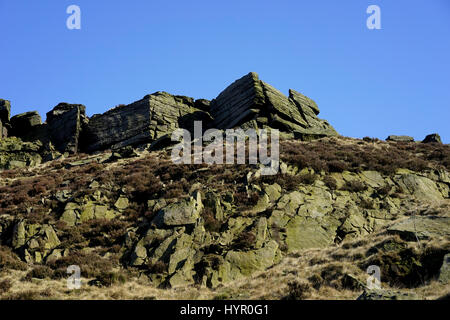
125 152
14 153
309 110
355 224
26 120
387 295
81 162
249 100
273 192
260 232
153 236
212 200
5 113
35 241
142 121
420 187
261 206
290 202
186 211
400 138
51 239
122 203
70 217
24 123
422 227
284 107
184 275
74 213
139 254
432 138
19 235
62 195
157 204
233 106
5 110
373 179
49 152
202 104
305 104
164 249
305 233
234 227
317 202
65 123
246 263
182 250
55 255
3 130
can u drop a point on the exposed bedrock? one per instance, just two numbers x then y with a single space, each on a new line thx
143 121
247 103
250 100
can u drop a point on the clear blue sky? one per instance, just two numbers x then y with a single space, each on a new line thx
366 82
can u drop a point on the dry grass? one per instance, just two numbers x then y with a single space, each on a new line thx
321 269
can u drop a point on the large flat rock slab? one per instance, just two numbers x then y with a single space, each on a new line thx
422 227
143 121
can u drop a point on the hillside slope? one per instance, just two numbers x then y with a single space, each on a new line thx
140 226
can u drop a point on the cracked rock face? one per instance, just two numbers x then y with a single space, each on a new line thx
143 121
250 99
65 123
23 123
246 103
5 113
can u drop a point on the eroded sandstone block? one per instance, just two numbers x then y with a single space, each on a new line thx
143 121
250 99
65 123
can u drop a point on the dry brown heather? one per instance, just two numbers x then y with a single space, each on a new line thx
145 176
310 274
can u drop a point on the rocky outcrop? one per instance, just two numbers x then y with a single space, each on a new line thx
65 123
422 227
3 131
23 124
209 233
35 242
249 100
143 121
14 153
432 138
5 114
387 295
88 208
400 138
312 216
202 104
181 213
